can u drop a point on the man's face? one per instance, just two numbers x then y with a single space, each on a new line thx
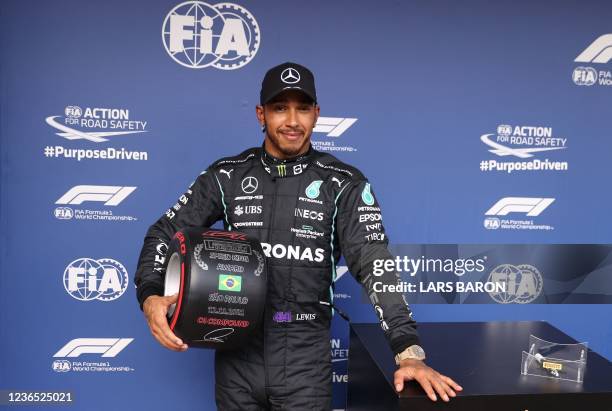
289 119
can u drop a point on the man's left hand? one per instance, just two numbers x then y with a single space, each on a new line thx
431 380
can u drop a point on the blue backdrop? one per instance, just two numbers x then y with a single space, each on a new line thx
407 90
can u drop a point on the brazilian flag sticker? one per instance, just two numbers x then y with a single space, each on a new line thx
230 283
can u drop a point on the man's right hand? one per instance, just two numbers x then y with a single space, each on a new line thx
155 310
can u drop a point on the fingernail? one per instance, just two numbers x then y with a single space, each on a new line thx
446 398
398 387
435 398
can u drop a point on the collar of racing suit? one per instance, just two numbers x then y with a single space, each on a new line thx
277 167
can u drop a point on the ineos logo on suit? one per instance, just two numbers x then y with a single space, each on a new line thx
313 215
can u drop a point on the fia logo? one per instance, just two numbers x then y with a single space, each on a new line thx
225 36
584 76
86 279
61 366
64 213
521 283
492 223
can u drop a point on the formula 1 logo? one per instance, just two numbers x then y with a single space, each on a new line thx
599 51
225 36
86 279
108 347
333 126
531 206
109 195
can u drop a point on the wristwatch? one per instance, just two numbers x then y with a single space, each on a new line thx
414 351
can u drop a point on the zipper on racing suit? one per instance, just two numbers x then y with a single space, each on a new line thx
266 319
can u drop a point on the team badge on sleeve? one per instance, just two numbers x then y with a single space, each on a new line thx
367 196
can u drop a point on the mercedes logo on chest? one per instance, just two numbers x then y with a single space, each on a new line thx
249 185
290 76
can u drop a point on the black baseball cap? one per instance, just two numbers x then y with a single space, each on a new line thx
287 76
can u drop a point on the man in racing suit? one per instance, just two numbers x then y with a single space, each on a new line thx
306 208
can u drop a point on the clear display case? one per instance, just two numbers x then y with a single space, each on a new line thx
552 360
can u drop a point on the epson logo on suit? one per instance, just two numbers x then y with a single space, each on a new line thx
369 217
309 214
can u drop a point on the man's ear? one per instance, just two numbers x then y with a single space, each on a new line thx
259 112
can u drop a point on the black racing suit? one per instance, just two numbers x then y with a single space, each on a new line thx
305 212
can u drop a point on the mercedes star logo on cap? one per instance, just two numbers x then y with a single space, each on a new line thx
290 76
